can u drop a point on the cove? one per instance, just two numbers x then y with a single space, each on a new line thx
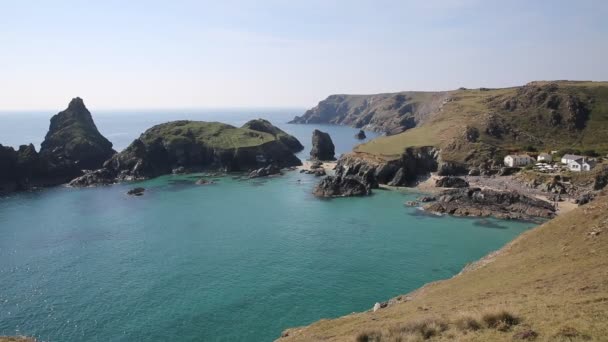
239 260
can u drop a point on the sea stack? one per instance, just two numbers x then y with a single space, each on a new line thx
361 135
322 146
73 142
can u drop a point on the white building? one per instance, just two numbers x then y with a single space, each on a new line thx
515 160
545 157
581 164
567 158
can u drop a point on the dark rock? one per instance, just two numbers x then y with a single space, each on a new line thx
447 168
412 203
471 134
486 202
361 135
319 172
203 181
316 164
426 199
451 182
97 177
322 146
73 143
178 170
584 198
265 171
474 172
337 186
508 171
136 192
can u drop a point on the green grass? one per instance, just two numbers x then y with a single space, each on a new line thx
212 134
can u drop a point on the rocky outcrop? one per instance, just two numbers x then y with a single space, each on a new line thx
195 146
265 126
265 171
73 143
322 146
370 172
360 135
486 202
451 182
342 186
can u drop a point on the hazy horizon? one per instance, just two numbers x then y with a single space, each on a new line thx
189 55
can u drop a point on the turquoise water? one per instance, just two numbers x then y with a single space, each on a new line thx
239 260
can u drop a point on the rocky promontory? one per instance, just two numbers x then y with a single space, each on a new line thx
415 162
486 202
196 146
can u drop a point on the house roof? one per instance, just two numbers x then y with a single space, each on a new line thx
572 157
518 156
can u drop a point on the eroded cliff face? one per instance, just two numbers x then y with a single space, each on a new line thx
390 113
358 173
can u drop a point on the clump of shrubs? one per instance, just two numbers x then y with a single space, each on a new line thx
369 336
468 323
501 320
426 328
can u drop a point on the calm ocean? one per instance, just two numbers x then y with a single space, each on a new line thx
239 260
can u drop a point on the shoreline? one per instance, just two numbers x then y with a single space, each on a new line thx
497 183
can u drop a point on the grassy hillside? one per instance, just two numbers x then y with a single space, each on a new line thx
472 125
550 284
212 134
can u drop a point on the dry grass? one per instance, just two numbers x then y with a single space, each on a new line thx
16 339
552 281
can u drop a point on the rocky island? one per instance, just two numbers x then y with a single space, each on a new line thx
196 146
74 151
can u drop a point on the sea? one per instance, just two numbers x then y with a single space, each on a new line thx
238 260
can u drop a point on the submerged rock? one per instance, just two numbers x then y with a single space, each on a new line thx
203 181
136 191
322 146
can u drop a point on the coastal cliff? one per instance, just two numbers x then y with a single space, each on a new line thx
475 128
392 113
195 146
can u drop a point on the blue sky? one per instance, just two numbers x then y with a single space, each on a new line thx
198 54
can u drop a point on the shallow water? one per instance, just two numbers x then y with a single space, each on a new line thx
239 260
